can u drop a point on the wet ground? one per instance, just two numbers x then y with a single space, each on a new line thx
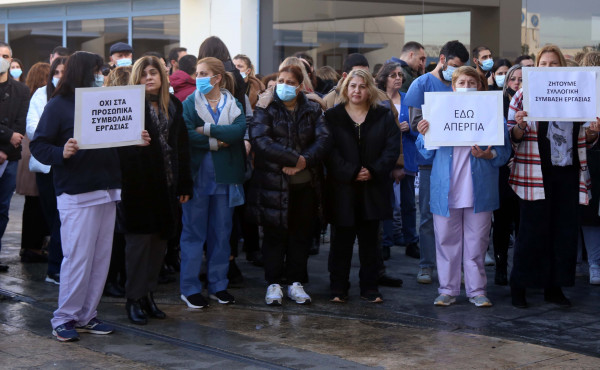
405 331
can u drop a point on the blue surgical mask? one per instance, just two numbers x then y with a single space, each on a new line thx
466 89
500 80
286 92
486 65
98 80
16 73
55 81
244 75
125 62
203 85
448 73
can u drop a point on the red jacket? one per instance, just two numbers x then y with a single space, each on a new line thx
183 85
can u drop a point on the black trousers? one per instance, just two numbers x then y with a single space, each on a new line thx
48 203
504 217
340 255
35 227
285 252
546 247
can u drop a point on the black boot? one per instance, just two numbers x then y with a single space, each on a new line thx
555 295
518 297
135 313
149 306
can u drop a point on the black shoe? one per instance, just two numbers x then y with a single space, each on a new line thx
195 300
385 280
372 296
501 278
412 250
53 278
555 295
223 297
149 306
518 297
234 275
135 313
113 290
3 268
29 256
385 253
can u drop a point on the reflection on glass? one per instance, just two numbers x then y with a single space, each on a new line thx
33 42
572 25
96 35
155 33
330 30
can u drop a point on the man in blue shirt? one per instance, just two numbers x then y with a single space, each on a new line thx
452 55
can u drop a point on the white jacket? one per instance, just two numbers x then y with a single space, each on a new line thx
36 108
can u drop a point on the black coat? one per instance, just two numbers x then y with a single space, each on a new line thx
349 201
13 114
148 205
275 134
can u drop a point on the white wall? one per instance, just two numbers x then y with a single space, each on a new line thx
234 21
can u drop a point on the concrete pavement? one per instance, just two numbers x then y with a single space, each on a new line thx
405 331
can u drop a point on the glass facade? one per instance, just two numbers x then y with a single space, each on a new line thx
33 31
330 30
573 25
33 42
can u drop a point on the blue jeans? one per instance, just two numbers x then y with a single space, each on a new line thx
408 209
392 228
426 235
206 218
591 236
8 183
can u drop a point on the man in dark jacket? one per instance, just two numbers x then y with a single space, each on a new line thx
412 59
14 103
182 80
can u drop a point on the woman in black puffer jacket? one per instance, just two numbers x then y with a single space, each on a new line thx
290 140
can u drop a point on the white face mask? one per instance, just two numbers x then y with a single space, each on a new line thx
466 89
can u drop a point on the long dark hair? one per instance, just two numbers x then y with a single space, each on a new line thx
214 47
79 72
50 86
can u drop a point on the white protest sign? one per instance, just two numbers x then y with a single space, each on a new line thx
561 93
107 117
464 118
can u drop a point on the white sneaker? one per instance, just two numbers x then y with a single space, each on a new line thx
296 293
424 275
274 295
595 274
489 260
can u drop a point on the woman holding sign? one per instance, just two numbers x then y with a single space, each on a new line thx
464 192
216 125
88 186
550 176
155 178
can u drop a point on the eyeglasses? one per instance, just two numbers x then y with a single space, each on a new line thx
395 75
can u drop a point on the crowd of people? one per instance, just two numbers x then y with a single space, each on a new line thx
229 155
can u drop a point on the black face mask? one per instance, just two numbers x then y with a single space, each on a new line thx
510 91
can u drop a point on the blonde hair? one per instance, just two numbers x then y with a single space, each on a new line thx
217 67
591 59
468 71
118 77
293 61
138 72
368 79
248 62
551 49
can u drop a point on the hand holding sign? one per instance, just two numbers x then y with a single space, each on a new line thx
70 148
146 138
423 126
